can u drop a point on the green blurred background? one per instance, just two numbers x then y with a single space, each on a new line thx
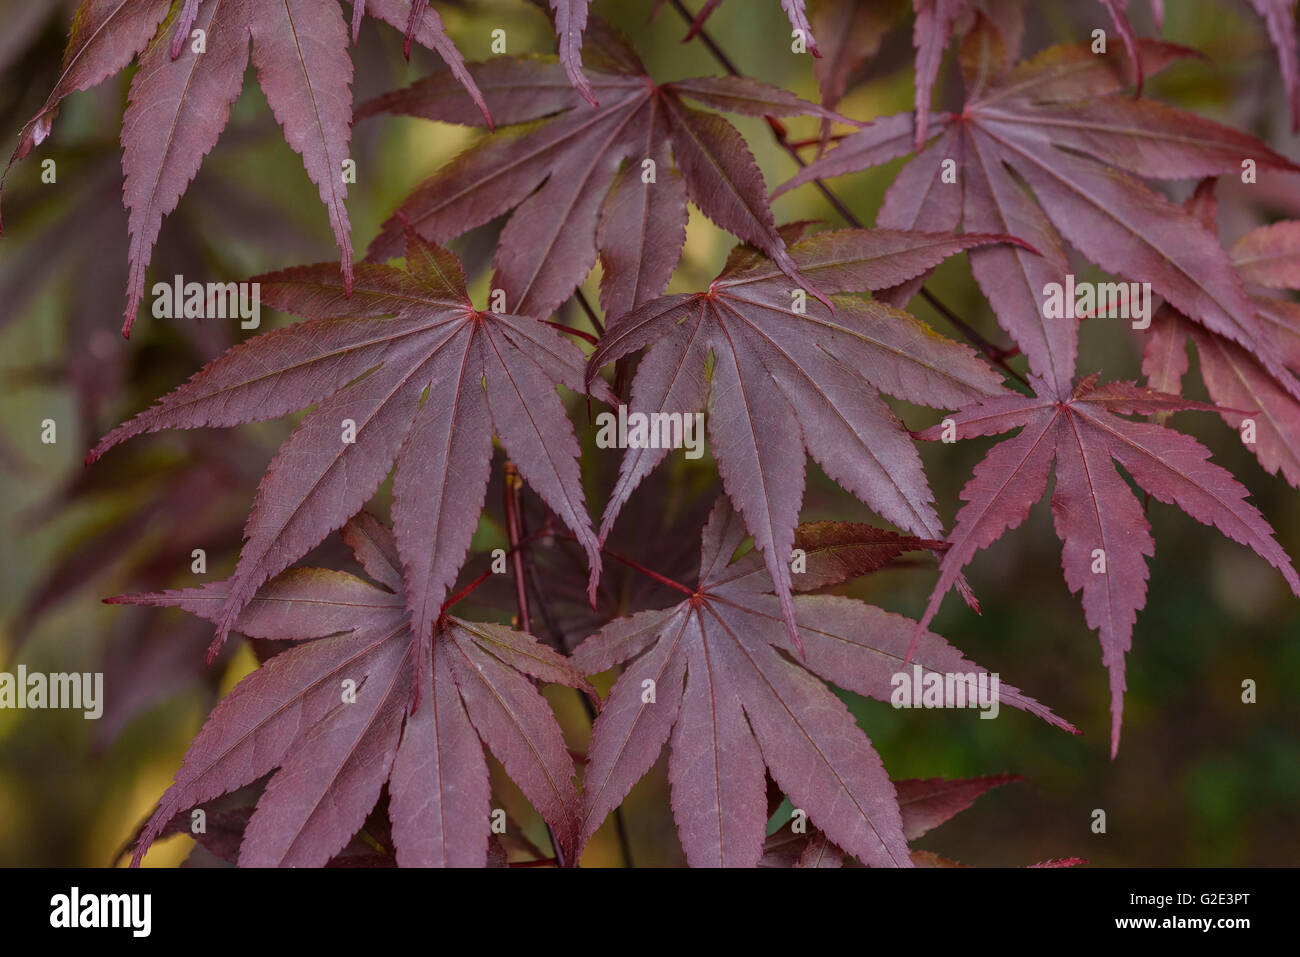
1200 779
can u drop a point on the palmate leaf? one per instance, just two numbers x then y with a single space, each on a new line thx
834 552
405 370
180 99
334 755
1266 257
931 32
924 805
1062 124
787 382
730 698
1105 535
853 31
582 179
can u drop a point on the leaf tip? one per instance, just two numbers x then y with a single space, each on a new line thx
214 649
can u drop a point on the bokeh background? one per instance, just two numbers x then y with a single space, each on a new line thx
1200 779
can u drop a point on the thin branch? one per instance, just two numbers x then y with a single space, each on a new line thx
995 353
514 485
472 586
650 573
703 35
815 141
620 369
582 334
591 313
555 637
633 564
525 576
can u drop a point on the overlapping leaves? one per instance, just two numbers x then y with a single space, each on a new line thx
790 378
717 678
855 28
345 710
1267 258
402 368
613 178
1061 124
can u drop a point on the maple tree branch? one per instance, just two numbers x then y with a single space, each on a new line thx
634 565
702 34
620 368
472 586
516 527
648 572
993 353
514 487
569 330
554 634
591 313
815 141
